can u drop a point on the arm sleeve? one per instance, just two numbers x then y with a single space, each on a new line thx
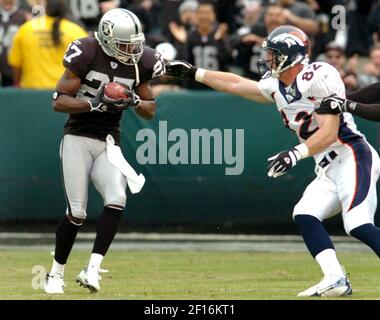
370 94
366 111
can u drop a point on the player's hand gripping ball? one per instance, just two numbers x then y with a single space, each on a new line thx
121 96
116 91
113 98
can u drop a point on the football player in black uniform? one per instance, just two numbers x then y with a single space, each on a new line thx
202 49
92 132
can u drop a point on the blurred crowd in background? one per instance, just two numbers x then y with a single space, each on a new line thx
221 35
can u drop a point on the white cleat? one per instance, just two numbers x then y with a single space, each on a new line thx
333 286
89 278
54 283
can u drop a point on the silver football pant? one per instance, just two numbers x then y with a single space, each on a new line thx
83 159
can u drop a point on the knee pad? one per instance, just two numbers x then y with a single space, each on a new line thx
77 211
119 199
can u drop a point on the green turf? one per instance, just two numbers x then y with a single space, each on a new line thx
188 275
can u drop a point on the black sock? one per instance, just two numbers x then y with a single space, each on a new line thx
313 233
65 236
370 235
106 229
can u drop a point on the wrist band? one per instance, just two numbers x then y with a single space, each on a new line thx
303 150
199 74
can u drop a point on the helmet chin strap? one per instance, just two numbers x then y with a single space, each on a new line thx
276 73
137 74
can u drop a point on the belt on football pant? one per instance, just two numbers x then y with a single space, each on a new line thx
326 160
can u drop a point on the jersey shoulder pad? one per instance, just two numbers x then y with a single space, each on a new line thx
80 54
268 86
320 80
151 64
313 74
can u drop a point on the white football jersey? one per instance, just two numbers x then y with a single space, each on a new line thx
297 102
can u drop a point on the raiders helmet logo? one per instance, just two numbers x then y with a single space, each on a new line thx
107 28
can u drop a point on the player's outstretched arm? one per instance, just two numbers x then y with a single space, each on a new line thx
367 95
220 81
336 105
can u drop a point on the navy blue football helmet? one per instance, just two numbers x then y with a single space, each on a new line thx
284 47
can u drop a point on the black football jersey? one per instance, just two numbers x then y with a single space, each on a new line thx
86 59
9 25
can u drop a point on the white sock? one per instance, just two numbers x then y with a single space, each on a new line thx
95 260
329 263
57 268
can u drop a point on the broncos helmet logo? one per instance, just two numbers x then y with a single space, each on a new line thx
289 39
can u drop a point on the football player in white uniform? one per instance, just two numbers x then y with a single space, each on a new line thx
347 166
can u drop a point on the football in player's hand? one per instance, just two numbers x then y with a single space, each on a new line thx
116 91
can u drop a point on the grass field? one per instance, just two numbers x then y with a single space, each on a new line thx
188 275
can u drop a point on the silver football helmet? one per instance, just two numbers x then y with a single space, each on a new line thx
120 36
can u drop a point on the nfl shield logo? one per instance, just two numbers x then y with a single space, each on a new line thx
114 65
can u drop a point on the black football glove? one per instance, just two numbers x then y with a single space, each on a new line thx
180 69
283 162
100 103
335 105
133 101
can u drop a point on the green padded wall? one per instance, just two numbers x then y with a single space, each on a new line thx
180 194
